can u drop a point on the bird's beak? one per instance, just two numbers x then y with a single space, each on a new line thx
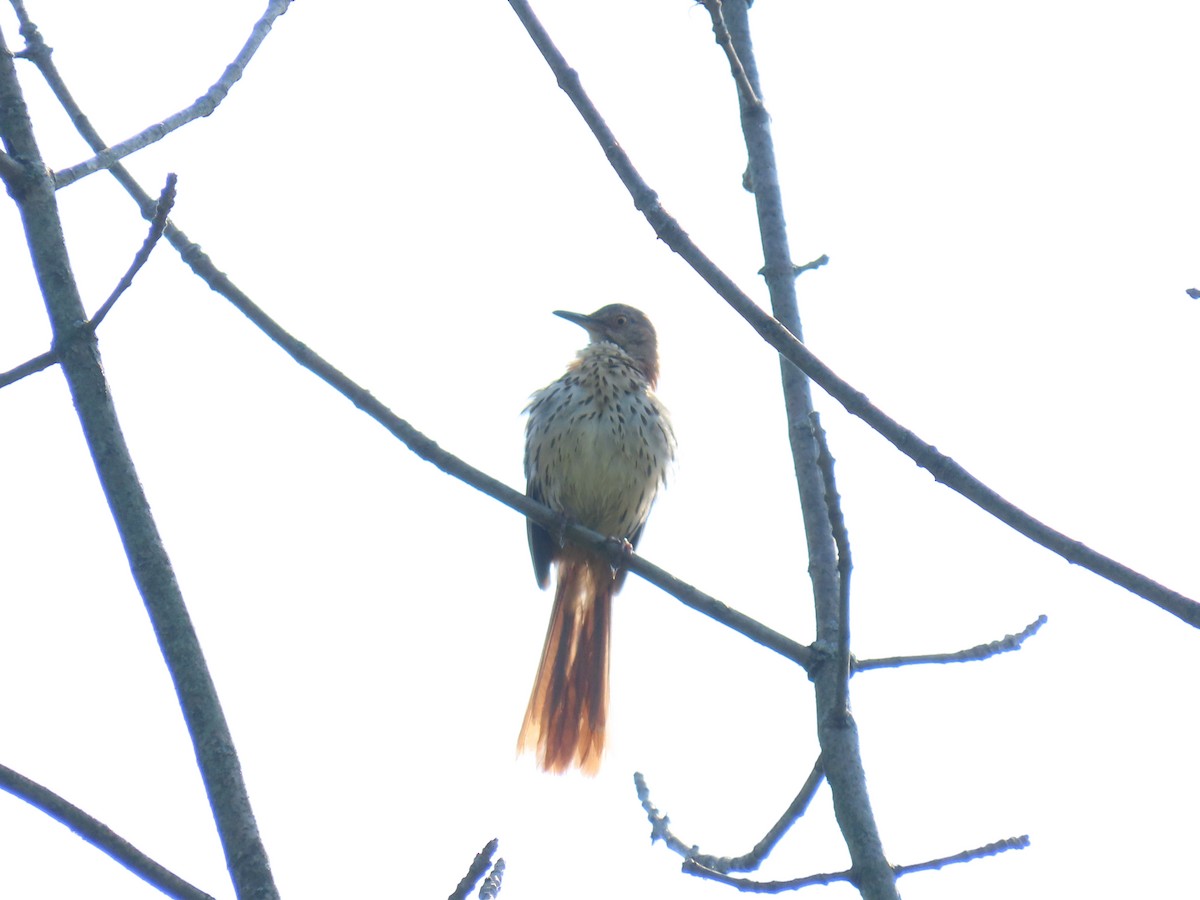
578 318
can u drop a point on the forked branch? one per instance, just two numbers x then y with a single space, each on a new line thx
45 360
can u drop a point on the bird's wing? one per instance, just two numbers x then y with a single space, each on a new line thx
541 544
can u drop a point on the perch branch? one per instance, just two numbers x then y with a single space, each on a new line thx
431 452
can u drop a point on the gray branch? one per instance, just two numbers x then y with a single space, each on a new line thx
98 835
204 105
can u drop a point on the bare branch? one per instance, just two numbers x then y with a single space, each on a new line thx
44 361
479 865
747 885
797 808
721 32
10 169
660 823
98 835
750 886
37 364
166 200
1013 843
1006 644
943 468
821 260
38 52
491 885
841 540
660 827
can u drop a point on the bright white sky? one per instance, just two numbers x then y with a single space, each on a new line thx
1009 198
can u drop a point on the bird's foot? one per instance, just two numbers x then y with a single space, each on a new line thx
562 520
620 552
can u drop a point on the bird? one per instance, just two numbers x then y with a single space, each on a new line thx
598 444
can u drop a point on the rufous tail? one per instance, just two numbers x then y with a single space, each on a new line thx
564 723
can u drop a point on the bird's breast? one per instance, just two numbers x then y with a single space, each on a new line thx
598 444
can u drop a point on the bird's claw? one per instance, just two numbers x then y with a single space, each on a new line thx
622 550
560 528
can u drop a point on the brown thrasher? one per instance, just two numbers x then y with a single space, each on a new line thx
597 447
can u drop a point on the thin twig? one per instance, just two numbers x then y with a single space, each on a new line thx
660 827
1006 644
163 208
797 808
736 69
98 835
37 364
944 469
1013 843
660 823
490 888
38 52
479 865
821 260
10 169
166 200
841 540
750 886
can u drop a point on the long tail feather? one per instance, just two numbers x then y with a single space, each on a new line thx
564 722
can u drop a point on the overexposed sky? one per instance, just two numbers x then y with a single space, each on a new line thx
1008 196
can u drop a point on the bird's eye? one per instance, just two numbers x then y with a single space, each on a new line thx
621 321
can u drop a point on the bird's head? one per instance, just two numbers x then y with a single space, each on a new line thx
626 327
